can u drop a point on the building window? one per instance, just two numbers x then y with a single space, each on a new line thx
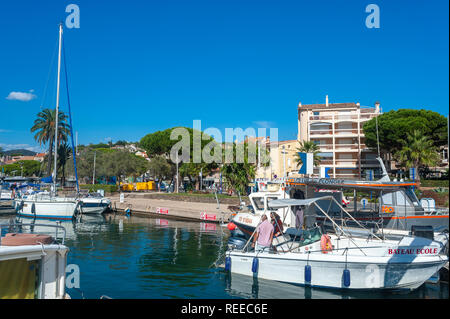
316 113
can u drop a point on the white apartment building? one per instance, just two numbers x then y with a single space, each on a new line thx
337 129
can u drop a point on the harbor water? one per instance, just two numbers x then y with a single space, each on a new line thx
132 257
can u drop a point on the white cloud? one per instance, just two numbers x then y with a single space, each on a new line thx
264 124
21 96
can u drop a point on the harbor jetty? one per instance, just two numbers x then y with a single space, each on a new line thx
195 208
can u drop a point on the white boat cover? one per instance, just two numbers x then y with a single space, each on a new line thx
280 203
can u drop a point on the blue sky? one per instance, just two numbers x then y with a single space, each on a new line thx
136 67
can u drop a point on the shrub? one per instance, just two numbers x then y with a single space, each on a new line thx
93 188
434 183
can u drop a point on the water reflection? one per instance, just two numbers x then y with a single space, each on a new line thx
252 288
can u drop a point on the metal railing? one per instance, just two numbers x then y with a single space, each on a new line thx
17 227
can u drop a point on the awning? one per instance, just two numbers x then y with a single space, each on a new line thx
280 203
47 179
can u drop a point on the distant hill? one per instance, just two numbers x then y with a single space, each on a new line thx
20 152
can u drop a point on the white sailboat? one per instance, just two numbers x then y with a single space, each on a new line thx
51 206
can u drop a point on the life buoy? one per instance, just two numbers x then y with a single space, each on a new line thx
325 244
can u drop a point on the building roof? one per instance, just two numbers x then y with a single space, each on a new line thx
330 106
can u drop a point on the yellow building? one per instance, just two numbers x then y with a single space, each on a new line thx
283 162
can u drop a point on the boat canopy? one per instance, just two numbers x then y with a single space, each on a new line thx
281 203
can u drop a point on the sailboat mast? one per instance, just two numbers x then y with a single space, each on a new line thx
57 108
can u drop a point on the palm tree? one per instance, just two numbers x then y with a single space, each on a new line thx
308 147
238 175
64 153
44 126
418 150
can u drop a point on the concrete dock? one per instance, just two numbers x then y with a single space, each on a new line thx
144 206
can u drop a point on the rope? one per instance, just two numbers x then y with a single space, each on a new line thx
70 121
48 76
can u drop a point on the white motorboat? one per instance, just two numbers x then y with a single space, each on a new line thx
6 197
339 260
396 207
32 266
94 203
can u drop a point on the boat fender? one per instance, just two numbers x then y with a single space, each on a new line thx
325 244
307 273
346 278
231 226
20 206
228 263
255 265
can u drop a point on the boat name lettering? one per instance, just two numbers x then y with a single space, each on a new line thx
419 251
245 220
324 181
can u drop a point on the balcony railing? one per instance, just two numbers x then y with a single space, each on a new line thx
348 162
363 116
351 132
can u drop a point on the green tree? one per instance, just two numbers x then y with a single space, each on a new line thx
160 168
394 126
157 143
308 147
44 129
160 144
29 168
418 150
64 153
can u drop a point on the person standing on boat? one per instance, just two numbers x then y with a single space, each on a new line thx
299 218
277 224
264 235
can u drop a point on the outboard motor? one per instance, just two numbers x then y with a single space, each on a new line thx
237 242
422 231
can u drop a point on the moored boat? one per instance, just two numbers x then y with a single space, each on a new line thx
340 260
32 266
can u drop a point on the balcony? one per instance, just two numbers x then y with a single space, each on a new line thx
337 132
348 162
338 147
365 115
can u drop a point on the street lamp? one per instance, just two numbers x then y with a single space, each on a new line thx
284 161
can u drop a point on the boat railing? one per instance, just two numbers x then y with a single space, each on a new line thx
336 251
18 227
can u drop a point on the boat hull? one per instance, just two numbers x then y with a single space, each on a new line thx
372 273
63 210
94 206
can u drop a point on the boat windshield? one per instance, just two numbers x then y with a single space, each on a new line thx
412 196
259 202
